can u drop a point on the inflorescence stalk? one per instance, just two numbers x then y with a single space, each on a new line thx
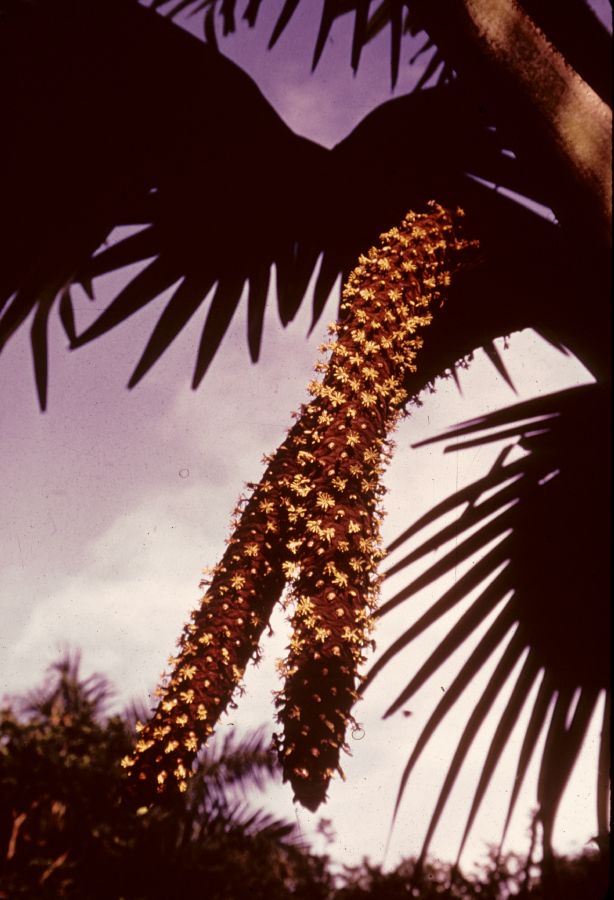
312 522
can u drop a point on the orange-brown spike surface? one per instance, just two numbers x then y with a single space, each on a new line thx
312 522
386 306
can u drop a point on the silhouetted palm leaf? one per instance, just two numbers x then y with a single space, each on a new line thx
223 194
572 27
67 693
542 523
225 190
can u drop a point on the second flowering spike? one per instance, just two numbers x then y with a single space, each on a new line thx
387 304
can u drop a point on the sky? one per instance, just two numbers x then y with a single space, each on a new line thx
115 501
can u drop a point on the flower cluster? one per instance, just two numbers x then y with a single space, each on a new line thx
312 522
335 543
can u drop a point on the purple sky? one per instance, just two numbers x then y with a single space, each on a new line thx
115 500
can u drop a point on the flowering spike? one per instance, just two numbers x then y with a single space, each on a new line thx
378 339
313 522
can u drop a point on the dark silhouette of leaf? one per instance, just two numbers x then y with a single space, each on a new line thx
190 178
360 32
494 356
379 19
435 62
209 30
125 252
290 7
474 514
148 284
539 712
503 670
551 512
326 21
251 12
455 638
525 415
462 551
179 310
505 726
67 315
467 582
484 650
256 303
294 269
396 29
561 750
40 350
223 307
227 11
327 275
465 495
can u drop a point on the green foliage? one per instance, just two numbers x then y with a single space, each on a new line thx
69 829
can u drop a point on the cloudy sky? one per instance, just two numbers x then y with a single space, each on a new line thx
114 501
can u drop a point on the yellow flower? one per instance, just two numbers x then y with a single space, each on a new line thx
300 485
304 606
291 569
295 512
324 500
370 373
191 743
340 579
368 400
370 347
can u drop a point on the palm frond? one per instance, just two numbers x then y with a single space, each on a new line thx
543 520
226 194
66 693
574 29
234 763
